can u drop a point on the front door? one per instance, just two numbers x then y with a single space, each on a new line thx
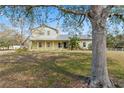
65 44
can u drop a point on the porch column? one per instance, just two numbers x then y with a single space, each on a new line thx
37 44
53 45
30 45
62 45
45 45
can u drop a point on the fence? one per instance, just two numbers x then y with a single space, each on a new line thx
6 52
115 49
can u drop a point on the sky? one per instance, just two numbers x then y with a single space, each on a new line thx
53 13
4 20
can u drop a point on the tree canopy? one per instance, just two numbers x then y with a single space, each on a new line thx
70 18
99 18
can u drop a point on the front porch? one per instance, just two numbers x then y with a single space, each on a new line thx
48 45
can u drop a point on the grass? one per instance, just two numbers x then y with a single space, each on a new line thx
54 69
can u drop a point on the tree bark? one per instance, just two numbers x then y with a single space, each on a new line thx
100 78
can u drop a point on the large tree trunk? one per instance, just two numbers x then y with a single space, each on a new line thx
100 77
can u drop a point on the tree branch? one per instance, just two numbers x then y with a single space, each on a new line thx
81 20
70 11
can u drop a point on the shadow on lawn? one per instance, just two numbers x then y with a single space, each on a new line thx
54 67
31 62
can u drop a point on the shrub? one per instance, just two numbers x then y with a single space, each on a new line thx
20 50
90 46
74 42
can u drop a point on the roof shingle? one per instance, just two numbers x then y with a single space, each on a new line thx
60 37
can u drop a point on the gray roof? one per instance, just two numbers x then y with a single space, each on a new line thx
45 26
85 37
60 37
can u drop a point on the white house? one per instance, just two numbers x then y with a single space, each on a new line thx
46 37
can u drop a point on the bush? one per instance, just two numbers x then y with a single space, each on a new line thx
74 42
90 46
20 50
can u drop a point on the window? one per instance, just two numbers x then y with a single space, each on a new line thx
41 33
65 44
59 45
48 44
40 44
84 44
48 33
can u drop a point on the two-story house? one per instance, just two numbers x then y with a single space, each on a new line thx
46 37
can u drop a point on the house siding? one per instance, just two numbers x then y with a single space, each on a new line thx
53 44
34 44
87 44
45 34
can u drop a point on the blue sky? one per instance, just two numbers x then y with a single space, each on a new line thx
6 21
53 13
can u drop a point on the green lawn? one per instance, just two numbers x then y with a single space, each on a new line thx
54 69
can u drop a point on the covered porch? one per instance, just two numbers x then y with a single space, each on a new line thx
48 44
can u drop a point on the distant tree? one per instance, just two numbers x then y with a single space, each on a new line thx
74 42
90 46
97 15
110 41
119 39
2 43
20 19
8 37
116 41
6 42
120 44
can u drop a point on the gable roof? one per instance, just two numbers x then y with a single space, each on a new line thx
44 25
59 37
